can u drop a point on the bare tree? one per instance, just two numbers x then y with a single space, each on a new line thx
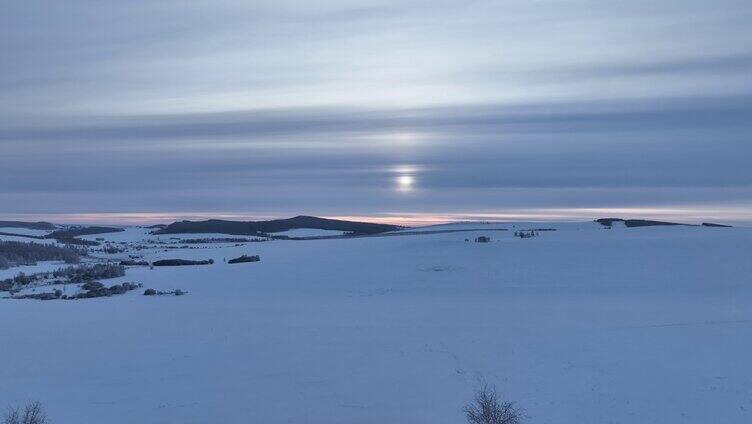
486 408
33 413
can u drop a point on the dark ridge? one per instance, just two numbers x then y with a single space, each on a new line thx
649 223
608 221
156 226
28 225
22 235
710 224
181 262
83 231
636 222
274 226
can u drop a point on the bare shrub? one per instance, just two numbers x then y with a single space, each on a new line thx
33 413
486 408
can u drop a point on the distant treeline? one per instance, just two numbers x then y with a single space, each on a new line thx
181 262
28 225
221 240
261 228
650 223
72 241
634 222
14 253
83 231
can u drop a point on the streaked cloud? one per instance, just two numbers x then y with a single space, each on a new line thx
336 108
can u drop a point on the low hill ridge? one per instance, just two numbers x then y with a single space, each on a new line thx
41 225
275 226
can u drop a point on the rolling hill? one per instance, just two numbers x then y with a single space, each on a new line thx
274 226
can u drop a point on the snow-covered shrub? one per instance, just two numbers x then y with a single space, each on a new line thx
32 413
486 408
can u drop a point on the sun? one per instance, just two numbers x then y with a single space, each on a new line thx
405 182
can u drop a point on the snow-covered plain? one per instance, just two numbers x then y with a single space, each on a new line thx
41 266
580 325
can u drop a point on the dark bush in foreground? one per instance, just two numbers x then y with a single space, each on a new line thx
244 258
32 413
19 253
486 408
150 292
181 262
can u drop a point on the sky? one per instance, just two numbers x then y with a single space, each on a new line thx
401 111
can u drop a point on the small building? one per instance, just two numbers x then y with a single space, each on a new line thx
483 239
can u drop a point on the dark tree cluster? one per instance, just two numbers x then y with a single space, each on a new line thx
91 289
14 253
244 258
73 241
84 273
181 262
152 292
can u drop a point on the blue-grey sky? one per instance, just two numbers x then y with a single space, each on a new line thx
113 110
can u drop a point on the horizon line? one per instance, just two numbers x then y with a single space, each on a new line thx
696 215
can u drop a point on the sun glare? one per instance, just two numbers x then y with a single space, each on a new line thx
405 182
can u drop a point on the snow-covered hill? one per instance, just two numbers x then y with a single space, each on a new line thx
308 232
